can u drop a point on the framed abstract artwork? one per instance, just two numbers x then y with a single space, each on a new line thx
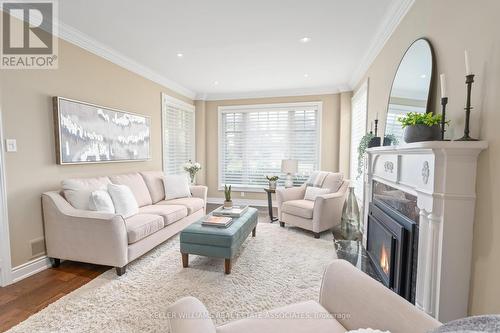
89 133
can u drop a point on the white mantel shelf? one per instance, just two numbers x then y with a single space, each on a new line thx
442 175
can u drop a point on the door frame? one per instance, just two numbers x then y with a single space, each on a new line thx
5 258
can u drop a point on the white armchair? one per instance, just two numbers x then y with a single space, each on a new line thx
319 215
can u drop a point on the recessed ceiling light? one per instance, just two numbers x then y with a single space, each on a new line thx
305 39
216 83
306 75
180 55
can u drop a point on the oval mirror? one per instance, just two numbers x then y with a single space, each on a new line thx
411 87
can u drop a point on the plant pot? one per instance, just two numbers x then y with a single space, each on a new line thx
417 133
272 184
228 204
387 142
374 142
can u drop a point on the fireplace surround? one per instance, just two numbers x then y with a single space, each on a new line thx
442 177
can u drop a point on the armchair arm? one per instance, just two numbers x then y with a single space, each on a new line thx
328 209
200 191
80 235
189 315
286 194
365 302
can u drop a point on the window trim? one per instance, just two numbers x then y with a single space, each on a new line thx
169 100
254 107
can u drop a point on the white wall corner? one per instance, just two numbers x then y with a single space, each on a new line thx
395 14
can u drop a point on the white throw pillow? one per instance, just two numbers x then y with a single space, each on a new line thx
100 201
313 192
123 199
77 190
176 186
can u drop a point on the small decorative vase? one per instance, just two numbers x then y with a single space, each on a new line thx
418 133
192 177
228 204
351 226
272 184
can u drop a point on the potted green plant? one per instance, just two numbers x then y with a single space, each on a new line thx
228 203
421 126
363 145
390 139
272 181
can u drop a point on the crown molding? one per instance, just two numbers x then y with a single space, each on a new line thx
274 93
394 16
86 42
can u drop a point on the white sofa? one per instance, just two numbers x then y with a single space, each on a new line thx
324 213
349 300
109 239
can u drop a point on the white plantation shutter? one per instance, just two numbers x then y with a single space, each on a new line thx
178 131
359 109
254 139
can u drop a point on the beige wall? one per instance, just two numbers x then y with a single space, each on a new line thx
453 26
27 117
329 135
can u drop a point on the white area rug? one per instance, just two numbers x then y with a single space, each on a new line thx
280 266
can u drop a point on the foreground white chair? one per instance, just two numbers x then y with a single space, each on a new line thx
349 299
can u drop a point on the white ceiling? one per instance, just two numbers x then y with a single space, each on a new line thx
251 48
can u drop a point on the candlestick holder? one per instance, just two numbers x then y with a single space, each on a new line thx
469 79
375 141
444 101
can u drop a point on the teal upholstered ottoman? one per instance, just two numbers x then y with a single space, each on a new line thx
218 242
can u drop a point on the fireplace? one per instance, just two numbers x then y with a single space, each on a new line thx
392 238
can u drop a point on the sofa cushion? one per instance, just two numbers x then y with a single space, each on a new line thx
123 200
302 208
136 183
170 213
77 190
313 192
154 182
142 225
333 181
101 201
192 204
176 186
302 317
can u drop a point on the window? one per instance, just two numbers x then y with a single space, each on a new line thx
253 139
359 108
178 131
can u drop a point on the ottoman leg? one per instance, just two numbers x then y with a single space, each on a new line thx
227 266
185 260
254 231
282 224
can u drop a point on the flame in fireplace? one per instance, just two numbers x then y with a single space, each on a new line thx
384 260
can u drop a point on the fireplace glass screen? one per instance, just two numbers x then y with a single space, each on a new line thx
381 247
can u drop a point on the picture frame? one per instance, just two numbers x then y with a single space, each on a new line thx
88 133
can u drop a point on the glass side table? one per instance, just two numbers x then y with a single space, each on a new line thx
270 204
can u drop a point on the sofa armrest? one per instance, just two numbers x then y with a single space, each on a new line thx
286 194
80 235
328 209
358 301
200 191
189 315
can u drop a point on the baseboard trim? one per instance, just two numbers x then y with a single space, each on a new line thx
30 268
249 202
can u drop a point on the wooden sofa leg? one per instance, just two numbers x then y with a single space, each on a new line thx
227 266
55 262
316 235
254 232
282 224
121 270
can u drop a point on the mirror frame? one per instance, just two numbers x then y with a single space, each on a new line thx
430 95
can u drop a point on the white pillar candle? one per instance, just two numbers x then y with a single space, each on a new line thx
443 85
467 64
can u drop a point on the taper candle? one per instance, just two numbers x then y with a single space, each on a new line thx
467 64
443 85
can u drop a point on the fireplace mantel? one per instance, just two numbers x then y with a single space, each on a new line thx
442 174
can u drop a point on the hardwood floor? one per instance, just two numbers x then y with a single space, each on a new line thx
27 297
22 299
